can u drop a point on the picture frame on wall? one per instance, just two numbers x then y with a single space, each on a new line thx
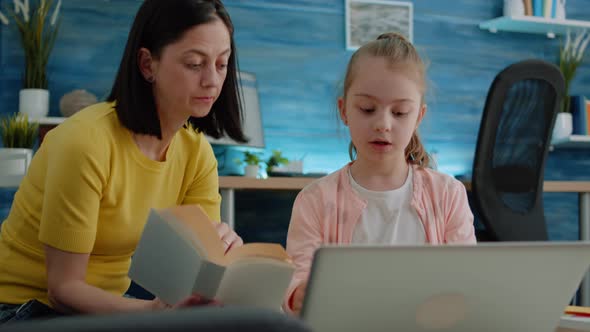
365 20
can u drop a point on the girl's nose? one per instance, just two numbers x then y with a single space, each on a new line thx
382 123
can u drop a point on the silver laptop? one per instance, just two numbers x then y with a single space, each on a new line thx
499 287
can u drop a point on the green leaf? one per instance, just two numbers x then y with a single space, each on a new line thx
37 37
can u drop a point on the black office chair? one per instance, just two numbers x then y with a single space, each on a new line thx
209 319
512 146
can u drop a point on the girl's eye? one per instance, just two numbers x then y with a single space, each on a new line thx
367 110
222 66
400 114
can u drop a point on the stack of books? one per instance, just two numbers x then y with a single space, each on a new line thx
543 8
575 319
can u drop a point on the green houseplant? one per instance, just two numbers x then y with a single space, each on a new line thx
18 137
571 55
18 132
37 26
276 159
252 161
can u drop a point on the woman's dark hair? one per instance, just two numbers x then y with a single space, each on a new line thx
157 24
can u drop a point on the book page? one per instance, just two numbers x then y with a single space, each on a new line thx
256 282
267 250
196 221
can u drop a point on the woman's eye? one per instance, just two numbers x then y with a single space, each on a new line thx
193 66
400 114
367 110
222 66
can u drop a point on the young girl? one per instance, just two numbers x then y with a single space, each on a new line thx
387 195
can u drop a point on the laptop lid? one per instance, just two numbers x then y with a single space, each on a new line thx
506 287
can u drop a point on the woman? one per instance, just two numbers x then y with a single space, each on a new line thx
77 217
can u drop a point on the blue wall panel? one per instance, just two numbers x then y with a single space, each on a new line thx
296 48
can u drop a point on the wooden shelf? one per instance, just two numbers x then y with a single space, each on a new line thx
534 24
49 120
571 142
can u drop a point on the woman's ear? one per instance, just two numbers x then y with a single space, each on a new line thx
146 63
342 110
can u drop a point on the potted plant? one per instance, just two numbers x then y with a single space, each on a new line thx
252 161
570 57
18 138
276 159
37 30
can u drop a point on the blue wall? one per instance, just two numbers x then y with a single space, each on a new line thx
297 50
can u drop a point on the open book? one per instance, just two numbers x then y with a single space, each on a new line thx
180 253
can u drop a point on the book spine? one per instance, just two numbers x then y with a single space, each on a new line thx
528 7
553 8
538 7
585 105
547 7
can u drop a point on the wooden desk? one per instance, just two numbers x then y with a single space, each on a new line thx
228 184
271 183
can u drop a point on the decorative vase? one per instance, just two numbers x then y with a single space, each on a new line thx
251 171
34 103
513 8
74 101
563 126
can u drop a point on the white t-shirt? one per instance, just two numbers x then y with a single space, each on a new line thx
389 217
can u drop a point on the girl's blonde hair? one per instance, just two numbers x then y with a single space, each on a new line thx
402 56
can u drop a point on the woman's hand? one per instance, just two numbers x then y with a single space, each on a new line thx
298 295
194 300
228 236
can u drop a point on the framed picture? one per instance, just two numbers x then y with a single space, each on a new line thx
366 19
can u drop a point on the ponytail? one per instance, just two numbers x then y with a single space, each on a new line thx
415 152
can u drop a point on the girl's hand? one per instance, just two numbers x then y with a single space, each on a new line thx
194 300
298 295
228 236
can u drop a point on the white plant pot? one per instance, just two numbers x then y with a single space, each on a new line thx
563 126
34 102
14 161
251 171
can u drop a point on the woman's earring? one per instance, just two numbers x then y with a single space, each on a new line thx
150 79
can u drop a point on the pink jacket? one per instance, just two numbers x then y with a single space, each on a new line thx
327 210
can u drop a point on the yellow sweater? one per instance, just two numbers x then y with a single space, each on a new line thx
89 190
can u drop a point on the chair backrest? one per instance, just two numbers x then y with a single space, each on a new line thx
512 146
205 319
